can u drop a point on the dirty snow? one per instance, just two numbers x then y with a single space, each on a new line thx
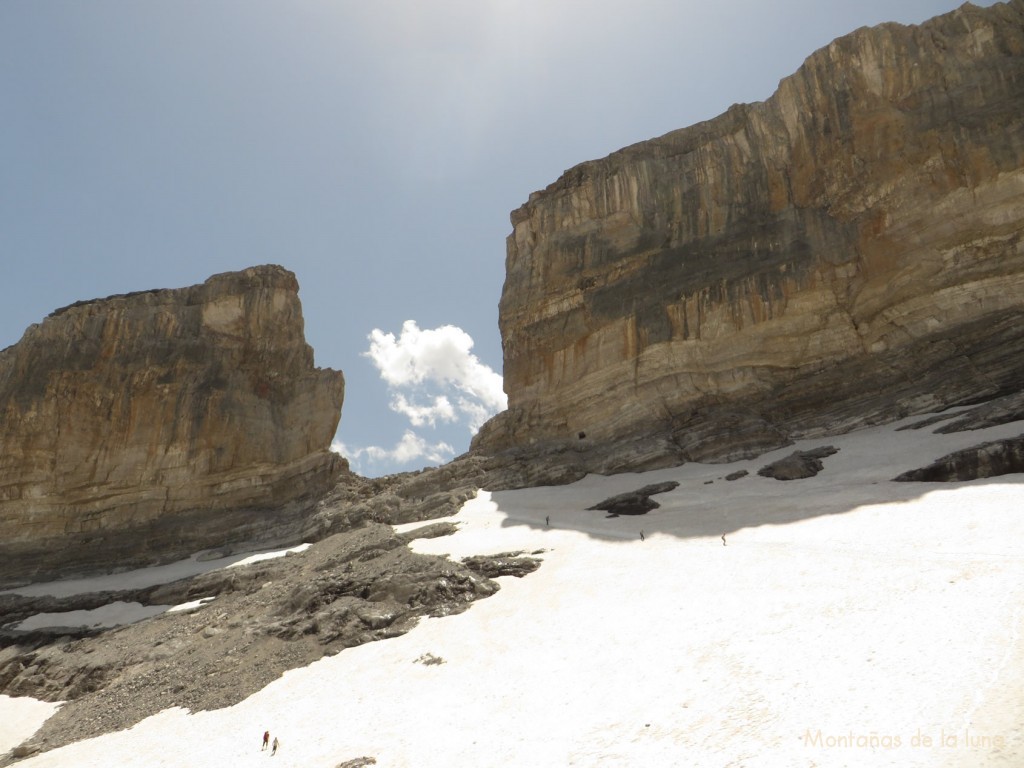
110 615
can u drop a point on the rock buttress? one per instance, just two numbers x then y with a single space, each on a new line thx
144 427
847 251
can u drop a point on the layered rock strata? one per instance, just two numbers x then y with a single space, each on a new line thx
147 426
989 459
848 251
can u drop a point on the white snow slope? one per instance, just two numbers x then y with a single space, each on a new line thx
846 621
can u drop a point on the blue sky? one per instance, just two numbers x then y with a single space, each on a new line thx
376 149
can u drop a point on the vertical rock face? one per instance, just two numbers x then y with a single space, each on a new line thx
151 425
849 250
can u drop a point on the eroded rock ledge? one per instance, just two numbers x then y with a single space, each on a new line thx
847 252
148 426
638 502
799 465
989 459
351 588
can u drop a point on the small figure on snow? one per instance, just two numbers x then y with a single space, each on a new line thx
266 739
277 744
641 536
547 521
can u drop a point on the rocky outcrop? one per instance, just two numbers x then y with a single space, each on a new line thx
990 459
148 426
799 465
849 251
1002 410
268 617
503 564
638 502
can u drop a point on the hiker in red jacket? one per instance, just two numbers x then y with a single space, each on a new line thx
266 739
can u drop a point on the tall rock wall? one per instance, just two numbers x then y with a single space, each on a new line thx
148 426
846 251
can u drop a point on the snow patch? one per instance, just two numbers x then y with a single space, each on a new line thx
849 620
20 717
111 615
191 605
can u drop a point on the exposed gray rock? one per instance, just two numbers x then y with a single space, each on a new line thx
798 465
24 750
268 617
432 531
990 459
430 660
990 413
1002 410
930 421
638 502
505 564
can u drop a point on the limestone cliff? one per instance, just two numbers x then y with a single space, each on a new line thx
846 251
148 426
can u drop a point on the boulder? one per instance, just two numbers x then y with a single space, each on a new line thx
799 465
638 502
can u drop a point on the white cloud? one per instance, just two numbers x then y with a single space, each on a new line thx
441 358
476 413
434 380
411 447
419 415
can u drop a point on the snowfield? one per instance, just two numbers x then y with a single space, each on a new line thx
844 620
118 613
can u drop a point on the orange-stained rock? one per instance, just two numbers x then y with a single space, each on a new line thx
148 426
847 251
